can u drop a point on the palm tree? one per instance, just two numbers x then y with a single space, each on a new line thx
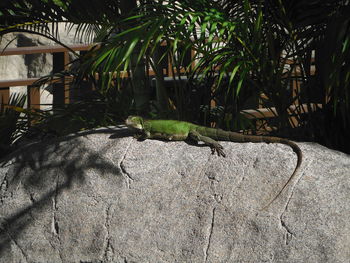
242 49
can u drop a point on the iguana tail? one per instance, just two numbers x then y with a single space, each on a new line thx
221 135
299 154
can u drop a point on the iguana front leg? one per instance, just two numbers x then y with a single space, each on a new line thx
214 145
141 135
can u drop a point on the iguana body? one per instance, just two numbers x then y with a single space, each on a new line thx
179 131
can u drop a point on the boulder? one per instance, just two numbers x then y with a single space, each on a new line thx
102 196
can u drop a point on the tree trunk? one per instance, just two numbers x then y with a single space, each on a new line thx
140 86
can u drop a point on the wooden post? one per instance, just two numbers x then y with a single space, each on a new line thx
170 68
33 97
4 95
295 85
66 61
193 54
58 91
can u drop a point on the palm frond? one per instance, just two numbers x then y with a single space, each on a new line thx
12 124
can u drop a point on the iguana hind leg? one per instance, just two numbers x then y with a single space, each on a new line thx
214 145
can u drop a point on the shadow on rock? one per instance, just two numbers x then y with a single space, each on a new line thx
38 173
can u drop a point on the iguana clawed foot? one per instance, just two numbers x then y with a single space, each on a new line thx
218 149
214 145
140 136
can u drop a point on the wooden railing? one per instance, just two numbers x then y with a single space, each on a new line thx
61 60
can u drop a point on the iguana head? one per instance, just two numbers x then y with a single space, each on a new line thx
134 122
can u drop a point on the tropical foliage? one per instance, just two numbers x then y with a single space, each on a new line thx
12 124
290 57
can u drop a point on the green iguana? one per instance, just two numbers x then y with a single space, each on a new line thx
173 130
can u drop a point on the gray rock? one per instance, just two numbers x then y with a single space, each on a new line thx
11 67
98 197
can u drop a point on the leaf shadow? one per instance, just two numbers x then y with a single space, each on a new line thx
42 171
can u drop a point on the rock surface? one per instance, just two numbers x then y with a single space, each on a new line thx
105 197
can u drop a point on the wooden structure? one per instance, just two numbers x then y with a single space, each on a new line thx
61 60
